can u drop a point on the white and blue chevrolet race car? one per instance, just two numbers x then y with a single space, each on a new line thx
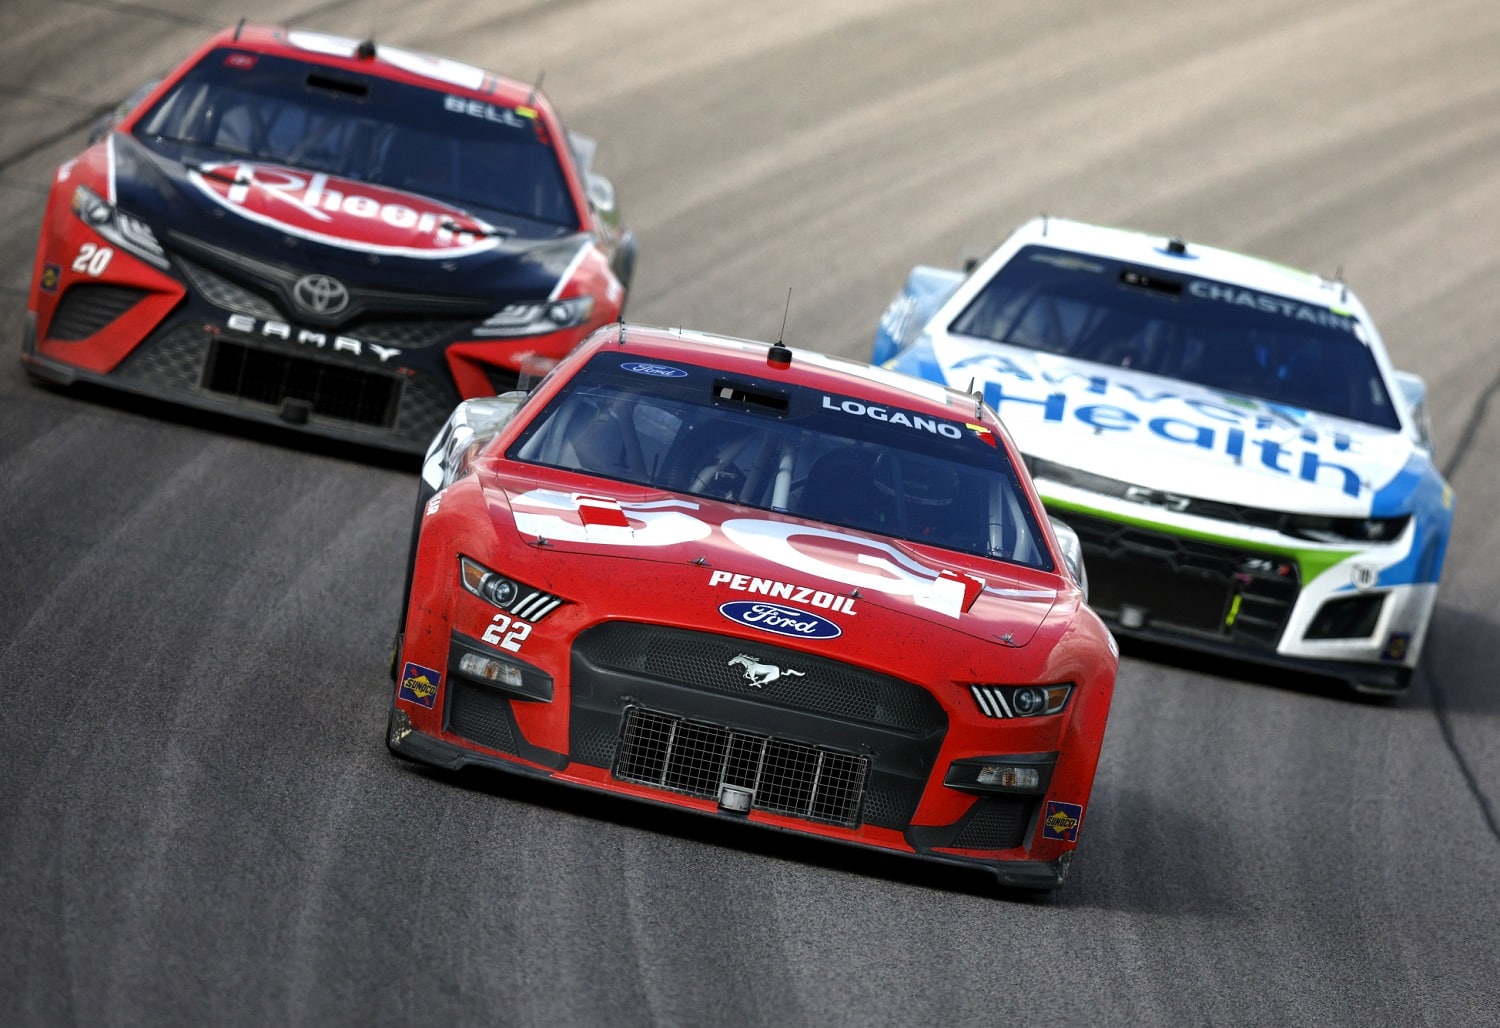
1247 472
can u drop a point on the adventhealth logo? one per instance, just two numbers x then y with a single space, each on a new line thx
1214 426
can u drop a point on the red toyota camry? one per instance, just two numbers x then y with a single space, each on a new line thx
338 236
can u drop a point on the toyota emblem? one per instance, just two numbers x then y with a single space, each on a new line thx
319 294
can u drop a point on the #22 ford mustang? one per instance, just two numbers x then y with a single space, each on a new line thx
331 235
788 590
1246 471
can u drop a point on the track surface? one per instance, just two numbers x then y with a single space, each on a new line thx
200 824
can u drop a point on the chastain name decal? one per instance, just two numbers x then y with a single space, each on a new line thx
281 330
1273 305
1225 428
894 417
783 591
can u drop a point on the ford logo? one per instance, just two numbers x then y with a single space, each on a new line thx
772 617
657 370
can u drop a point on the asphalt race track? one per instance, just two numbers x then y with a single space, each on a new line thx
199 821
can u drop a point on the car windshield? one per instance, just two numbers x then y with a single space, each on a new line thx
775 446
1222 336
237 106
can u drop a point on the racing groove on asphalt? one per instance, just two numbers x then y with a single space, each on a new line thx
199 821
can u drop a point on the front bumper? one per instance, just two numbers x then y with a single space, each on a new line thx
1252 603
662 715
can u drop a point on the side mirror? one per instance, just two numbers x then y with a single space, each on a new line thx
1072 551
601 192
1414 392
472 424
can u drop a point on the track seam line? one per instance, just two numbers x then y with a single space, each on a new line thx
1439 697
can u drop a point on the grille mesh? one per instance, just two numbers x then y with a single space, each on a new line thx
1187 584
697 757
221 292
333 390
480 715
87 309
704 661
995 825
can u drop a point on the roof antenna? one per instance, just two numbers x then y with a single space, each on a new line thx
977 397
531 96
1338 276
366 50
238 28
780 356
1044 224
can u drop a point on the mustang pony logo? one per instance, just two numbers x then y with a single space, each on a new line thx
759 674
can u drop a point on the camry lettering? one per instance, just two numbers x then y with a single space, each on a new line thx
894 416
783 591
306 337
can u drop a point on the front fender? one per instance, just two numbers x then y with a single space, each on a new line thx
927 289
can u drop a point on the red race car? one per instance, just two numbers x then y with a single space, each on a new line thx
342 237
779 588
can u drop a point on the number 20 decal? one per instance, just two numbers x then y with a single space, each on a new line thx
496 634
92 259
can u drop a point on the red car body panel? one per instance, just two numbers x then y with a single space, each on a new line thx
623 555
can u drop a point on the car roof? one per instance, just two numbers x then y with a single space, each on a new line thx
390 62
807 368
1197 259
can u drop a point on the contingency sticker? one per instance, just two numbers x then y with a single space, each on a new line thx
1061 821
419 685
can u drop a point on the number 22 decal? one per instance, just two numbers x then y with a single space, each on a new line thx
496 634
92 259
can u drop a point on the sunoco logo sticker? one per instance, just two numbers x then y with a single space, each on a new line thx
340 212
773 617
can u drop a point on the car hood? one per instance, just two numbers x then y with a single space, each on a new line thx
367 234
777 573
1174 437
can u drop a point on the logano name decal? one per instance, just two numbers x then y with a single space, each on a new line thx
1269 436
893 416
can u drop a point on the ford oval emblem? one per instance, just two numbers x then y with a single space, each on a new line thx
773 617
655 370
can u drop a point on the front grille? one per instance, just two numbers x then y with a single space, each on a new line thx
995 824
223 293
408 335
1184 584
1347 617
87 309
334 391
809 683
480 715
697 758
